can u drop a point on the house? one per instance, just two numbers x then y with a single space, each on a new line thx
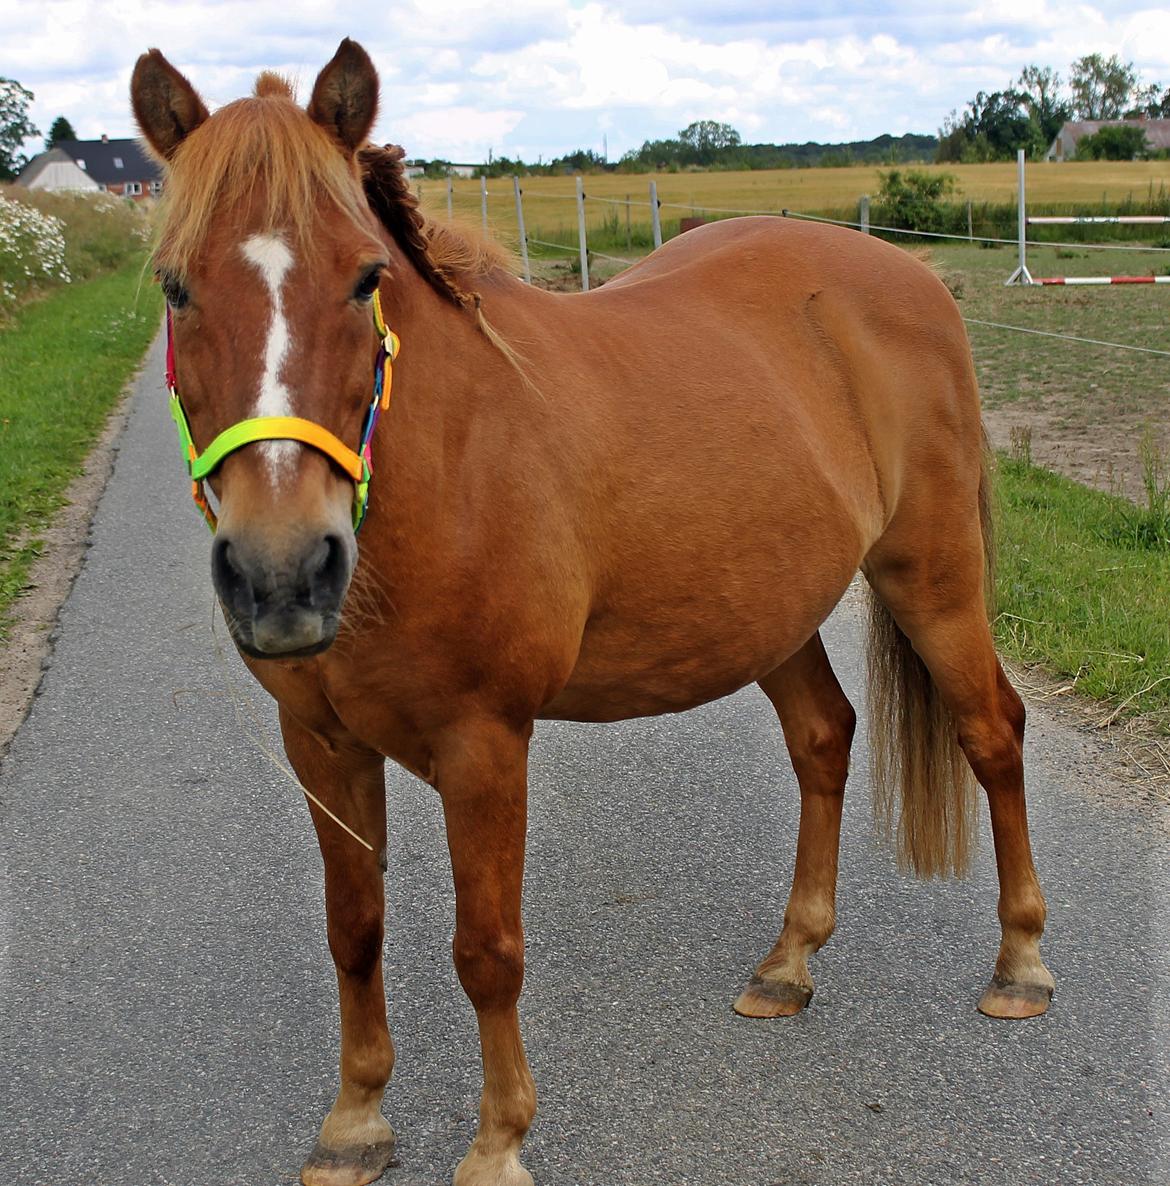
118 166
55 170
418 168
1064 147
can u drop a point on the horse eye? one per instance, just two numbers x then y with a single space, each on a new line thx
368 284
177 296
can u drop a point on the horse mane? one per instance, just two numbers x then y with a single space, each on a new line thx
441 253
267 144
263 145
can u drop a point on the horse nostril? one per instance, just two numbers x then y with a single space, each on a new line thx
232 585
331 575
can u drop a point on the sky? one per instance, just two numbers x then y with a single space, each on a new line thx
538 78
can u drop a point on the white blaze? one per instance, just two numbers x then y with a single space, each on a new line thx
270 256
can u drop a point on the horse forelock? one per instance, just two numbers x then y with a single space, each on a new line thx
264 152
270 85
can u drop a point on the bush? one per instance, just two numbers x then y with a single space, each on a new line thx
32 252
913 200
49 239
1117 142
102 232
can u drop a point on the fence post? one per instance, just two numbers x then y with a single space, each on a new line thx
581 233
863 214
629 239
523 236
483 200
450 201
1021 275
970 224
654 214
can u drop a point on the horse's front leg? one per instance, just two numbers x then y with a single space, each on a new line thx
355 1144
481 775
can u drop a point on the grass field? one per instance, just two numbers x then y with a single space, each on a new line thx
64 361
1083 592
549 202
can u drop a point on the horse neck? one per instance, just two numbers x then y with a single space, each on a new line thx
453 390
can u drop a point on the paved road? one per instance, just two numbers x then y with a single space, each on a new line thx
168 1012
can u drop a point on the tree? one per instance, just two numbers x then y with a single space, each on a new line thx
15 127
991 128
1151 101
1115 142
62 129
1039 88
1101 89
705 140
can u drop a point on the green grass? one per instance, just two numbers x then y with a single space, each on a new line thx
1081 593
63 363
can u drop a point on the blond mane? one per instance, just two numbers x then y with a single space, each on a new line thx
263 147
267 148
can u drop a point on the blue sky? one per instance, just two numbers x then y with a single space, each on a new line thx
540 77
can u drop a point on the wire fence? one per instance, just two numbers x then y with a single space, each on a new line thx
653 206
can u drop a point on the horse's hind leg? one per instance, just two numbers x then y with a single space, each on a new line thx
356 1143
818 724
937 602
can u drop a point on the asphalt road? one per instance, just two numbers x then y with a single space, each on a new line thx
168 1012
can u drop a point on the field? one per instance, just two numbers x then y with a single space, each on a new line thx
1084 407
58 390
549 204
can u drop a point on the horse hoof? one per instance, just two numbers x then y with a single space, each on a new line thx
351 1165
1003 998
477 1169
772 998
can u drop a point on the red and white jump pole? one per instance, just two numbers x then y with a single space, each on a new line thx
1022 276
1101 280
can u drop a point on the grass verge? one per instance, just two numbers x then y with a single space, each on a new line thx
1082 593
64 360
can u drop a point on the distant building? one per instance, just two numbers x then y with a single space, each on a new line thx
447 168
1064 147
117 166
55 170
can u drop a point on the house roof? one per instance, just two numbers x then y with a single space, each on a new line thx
1157 130
39 164
102 159
54 170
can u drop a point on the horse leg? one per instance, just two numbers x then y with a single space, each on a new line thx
948 628
356 1143
818 723
481 776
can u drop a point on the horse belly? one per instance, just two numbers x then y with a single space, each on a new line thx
683 638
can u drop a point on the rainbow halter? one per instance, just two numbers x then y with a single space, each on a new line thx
358 466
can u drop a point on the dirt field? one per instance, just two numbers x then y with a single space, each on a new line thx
1085 407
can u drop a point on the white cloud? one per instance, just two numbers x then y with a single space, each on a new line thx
547 76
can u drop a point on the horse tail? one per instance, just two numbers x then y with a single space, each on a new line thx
916 759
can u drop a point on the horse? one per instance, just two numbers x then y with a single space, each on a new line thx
584 507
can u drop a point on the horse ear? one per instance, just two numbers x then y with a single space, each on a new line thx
345 96
165 104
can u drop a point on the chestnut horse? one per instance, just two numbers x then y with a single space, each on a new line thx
584 507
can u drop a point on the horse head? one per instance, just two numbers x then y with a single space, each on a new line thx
270 259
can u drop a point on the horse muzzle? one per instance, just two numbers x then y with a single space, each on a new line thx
282 606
